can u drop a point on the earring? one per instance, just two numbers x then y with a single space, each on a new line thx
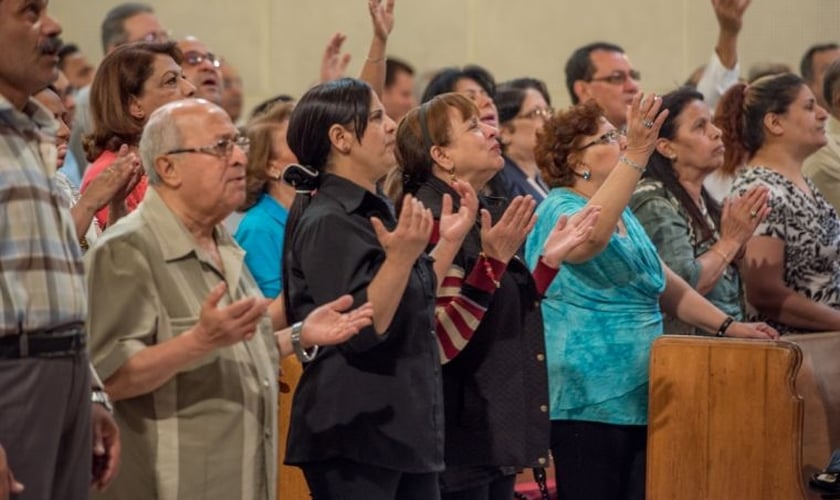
586 175
450 172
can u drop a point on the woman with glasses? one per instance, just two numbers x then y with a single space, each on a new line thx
698 239
791 266
367 417
488 325
132 82
602 311
524 105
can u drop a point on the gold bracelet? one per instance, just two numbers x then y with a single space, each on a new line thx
374 61
630 163
723 255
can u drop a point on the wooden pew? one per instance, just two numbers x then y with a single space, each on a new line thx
290 482
736 419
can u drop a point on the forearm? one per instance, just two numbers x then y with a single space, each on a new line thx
116 211
373 69
385 292
613 197
713 263
791 308
277 313
154 366
444 254
727 48
82 213
683 302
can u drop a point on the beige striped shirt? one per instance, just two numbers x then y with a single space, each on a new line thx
209 432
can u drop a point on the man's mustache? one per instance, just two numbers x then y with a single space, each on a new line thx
51 45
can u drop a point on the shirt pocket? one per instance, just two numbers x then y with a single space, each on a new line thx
179 326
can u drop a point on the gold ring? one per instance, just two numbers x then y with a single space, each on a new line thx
753 214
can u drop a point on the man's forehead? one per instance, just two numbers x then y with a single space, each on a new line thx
189 44
609 60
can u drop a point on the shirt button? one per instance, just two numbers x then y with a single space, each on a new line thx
542 460
540 357
536 304
266 383
543 408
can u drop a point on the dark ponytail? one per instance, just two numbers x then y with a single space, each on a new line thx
344 102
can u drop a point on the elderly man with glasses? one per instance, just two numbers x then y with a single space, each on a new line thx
181 335
202 68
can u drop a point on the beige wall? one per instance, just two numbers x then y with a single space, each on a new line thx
277 44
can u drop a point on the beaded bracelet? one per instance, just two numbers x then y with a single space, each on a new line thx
630 163
488 269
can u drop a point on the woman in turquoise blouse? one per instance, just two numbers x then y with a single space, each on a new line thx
268 199
602 311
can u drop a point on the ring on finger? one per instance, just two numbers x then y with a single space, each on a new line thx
647 123
753 214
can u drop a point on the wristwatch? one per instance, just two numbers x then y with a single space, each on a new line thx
100 397
300 352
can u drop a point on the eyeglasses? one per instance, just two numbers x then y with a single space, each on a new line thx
610 137
194 58
543 113
157 36
619 77
222 149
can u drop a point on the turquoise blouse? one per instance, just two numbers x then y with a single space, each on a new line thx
260 234
600 317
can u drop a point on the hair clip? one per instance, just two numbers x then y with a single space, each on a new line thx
304 179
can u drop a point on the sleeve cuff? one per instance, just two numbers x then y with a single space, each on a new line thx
543 276
486 274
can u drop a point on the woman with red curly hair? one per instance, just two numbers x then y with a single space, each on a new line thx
602 311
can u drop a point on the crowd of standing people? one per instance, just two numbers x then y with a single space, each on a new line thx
472 280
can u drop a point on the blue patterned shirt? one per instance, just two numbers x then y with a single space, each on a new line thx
601 317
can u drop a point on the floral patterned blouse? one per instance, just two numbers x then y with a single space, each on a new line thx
810 229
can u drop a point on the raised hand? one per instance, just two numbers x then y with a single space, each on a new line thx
502 241
115 182
568 233
730 14
752 331
742 214
334 63
223 326
411 236
643 123
382 16
329 324
453 227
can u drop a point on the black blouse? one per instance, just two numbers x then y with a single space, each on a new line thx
496 389
375 399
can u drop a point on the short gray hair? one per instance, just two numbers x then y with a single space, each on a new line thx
113 26
161 134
